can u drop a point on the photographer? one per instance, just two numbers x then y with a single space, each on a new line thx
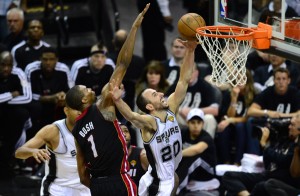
278 187
277 157
278 128
280 100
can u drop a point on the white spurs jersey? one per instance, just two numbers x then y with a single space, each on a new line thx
61 169
164 150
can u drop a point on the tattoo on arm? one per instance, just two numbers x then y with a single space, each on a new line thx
109 116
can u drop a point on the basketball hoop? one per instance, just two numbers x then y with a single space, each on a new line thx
227 48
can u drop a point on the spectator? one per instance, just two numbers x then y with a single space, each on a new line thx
4 6
196 170
277 158
153 77
274 10
153 29
15 92
277 187
93 72
172 65
257 7
280 100
257 59
15 22
263 76
136 157
233 126
134 70
295 4
200 94
30 50
49 81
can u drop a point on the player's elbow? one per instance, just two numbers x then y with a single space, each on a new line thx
18 154
85 181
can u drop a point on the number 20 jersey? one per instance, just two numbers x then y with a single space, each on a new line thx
164 150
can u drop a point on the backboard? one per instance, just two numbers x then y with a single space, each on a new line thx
246 13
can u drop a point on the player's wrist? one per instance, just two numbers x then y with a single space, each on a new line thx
116 100
265 113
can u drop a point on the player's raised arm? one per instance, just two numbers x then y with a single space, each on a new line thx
126 52
123 61
186 71
144 122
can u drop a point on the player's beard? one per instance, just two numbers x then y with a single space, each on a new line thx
163 107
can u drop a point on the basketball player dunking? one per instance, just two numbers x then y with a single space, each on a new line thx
101 146
160 131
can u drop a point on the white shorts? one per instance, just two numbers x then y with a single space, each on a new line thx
165 187
57 190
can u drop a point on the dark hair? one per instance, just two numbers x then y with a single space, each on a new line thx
141 102
157 67
249 89
282 70
49 50
74 97
100 45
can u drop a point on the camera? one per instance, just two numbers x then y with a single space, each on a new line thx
279 128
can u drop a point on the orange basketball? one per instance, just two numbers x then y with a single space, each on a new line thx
188 24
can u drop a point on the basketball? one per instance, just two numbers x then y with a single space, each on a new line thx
188 24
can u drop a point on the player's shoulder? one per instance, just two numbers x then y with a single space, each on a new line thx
51 127
48 132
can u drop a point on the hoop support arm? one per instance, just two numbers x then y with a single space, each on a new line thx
262 36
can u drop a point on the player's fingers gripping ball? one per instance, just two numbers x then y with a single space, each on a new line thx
188 24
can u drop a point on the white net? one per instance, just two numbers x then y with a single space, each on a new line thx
227 56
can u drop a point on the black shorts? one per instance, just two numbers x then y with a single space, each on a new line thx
121 185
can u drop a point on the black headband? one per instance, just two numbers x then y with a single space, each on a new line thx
97 52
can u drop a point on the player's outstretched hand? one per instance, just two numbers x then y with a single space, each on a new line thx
189 44
139 18
116 91
41 155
